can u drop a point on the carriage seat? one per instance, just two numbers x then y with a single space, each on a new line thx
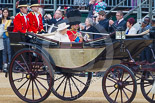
14 36
139 35
46 39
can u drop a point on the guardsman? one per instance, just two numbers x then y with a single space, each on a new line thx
35 18
21 20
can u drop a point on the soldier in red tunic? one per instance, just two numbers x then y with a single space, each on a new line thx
35 18
74 18
21 22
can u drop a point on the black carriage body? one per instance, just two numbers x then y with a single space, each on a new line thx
93 56
63 63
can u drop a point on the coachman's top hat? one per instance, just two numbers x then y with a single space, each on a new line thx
74 16
22 3
34 3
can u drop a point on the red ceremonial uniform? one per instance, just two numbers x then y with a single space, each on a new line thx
33 23
20 25
73 35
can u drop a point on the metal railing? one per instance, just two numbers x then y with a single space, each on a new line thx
110 3
53 4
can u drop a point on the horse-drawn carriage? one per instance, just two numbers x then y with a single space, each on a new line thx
43 66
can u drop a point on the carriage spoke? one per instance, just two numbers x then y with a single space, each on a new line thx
114 77
119 76
153 97
30 61
70 88
148 92
122 76
147 85
111 79
110 86
75 85
79 81
59 78
116 96
128 83
121 97
23 84
36 59
27 88
25 62
125 94
127 78
60 84
37 88
20 66
42 78
19 79
32 90
65 87
41 84
128 89
112 92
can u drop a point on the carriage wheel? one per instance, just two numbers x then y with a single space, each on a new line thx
146 84
70 86
28 75
119 84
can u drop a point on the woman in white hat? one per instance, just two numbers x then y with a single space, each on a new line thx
61 34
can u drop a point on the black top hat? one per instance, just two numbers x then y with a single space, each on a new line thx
22 3
74 16
34 3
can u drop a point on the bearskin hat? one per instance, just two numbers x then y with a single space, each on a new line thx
74 16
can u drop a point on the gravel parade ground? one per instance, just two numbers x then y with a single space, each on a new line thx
93 95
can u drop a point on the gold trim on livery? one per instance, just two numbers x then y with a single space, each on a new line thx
32 13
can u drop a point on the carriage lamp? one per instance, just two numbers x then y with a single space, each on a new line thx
120 33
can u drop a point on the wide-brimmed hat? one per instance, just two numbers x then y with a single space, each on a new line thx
34 3
22 3
62 26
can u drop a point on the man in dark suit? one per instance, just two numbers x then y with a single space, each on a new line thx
102 24
120 23
103 21
56 19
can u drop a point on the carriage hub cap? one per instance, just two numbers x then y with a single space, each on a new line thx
119 85
30 76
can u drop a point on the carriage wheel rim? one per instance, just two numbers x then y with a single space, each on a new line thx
30 78
119 86
70 79
145 84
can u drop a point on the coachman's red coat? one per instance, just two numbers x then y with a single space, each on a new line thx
33 23
20 25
